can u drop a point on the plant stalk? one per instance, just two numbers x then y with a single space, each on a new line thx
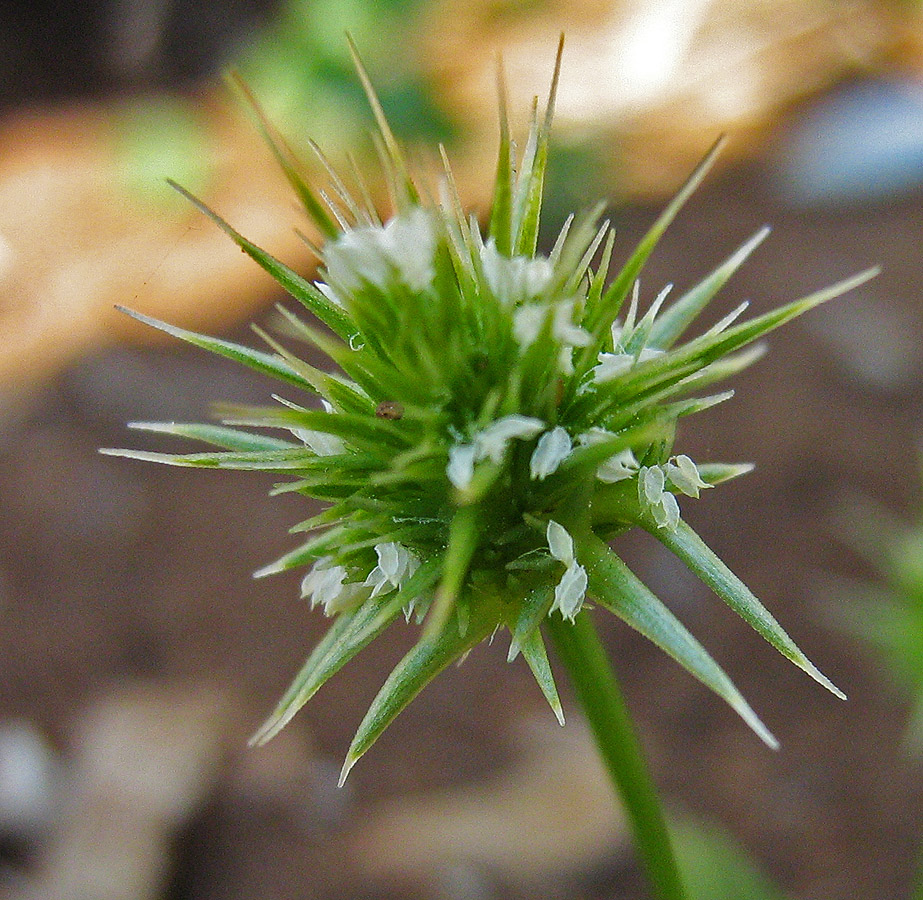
599 694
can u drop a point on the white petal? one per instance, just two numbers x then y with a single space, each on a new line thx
514 280
650 484
378 581
492 263
492 441
685 476
560 543
564 328
410 245
537 275
571 591
527 322
552 449
315 576
328 586
611 366
356 257
410 564
666 513
329 293
320 442
617 467
460 469
389 560
346 597
594 436
403 249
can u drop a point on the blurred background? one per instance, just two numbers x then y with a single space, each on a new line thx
136 653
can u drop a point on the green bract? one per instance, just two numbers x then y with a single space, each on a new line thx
493 418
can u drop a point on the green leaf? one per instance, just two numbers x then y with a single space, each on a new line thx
532 177
313 549
348 635
533 651
285 157
715 867
218 435
464 533
501 217
406 192
673 321
650 377
704 563
616 588
245 460
356 429
711 346
695 404
253 359
306 682
372 375
300 288
320 381
534 608
718 473
423 663
611 301
723 368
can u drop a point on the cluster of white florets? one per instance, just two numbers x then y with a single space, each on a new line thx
402 253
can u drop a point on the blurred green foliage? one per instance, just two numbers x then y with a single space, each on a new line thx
888 615
715 867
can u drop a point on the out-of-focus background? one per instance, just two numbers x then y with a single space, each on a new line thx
136 654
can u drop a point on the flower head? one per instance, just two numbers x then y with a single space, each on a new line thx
492 417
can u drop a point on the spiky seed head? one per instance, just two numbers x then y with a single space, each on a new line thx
490 420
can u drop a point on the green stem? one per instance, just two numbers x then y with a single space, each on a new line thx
599 694
918 884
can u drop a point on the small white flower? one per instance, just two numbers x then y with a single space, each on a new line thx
514 279
395 565
560 543
654 497
410 243
666 513
684 475
613 365
491 443
400 250
460 469
570 591
528 321
651 484
564 328
324 584
619 466
552 449
493 440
